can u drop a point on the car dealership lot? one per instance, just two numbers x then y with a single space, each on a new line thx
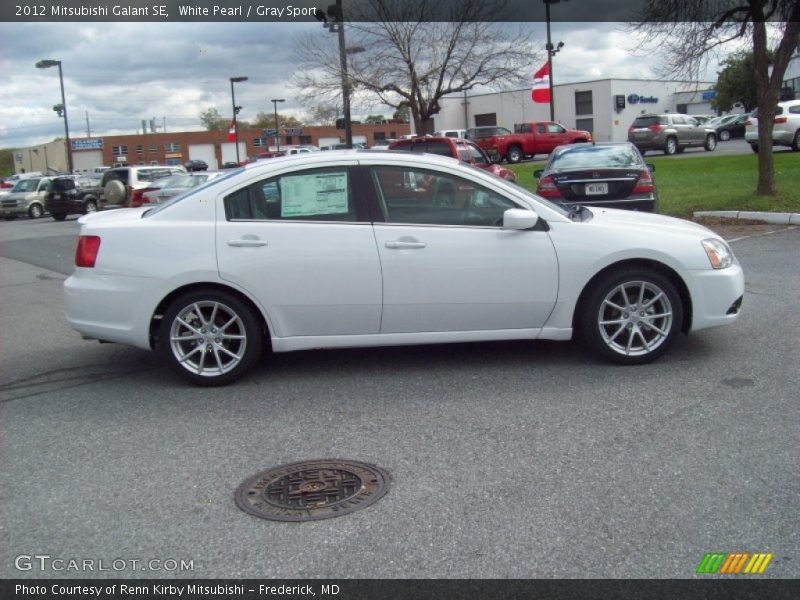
508 459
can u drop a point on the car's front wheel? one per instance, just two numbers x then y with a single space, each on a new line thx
514 155
670 146
795 145
35 211
210 337
632 317
711 142
89 206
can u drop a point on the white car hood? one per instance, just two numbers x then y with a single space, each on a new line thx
621 218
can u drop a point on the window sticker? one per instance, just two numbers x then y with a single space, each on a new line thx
317 194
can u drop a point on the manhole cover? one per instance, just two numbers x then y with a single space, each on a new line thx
312 490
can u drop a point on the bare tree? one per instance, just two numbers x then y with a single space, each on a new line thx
687 33
405 59
324 114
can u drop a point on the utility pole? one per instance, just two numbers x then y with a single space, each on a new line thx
88 130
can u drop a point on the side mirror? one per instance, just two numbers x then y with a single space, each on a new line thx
651 167
538 173
519 218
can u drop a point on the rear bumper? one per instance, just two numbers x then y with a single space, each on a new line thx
644 203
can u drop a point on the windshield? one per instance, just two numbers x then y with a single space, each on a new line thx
584 156
26 185
192 192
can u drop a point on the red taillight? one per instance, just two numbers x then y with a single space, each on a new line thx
655 128
86 252
645 184
137 196
779 120
748 122
547 188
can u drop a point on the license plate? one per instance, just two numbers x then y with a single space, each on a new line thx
596 189
56 196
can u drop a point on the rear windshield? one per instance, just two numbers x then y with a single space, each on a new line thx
586 156
647 121
440 148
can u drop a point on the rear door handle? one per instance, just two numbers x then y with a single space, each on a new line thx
247 242
404 245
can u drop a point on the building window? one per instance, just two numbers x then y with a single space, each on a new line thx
289 141
380 135
119 150
261 142
585 125
172 147
305 139
393 135
583 103
153 148
139 149
485 119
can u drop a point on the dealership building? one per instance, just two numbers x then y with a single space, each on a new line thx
605 107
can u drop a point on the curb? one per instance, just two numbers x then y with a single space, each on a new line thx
767 217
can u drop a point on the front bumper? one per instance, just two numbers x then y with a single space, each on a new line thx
717 296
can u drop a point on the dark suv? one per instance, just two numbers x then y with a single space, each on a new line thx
670 133
69 196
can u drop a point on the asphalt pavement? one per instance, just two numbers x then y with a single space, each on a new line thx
520 459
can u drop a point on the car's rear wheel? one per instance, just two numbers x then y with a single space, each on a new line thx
210 337
754 148
59 216
89 206
632 317
514 155
35 210
795 145
724 135
711 142
670 146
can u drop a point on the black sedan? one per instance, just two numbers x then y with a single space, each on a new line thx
196 164
732 129
611 175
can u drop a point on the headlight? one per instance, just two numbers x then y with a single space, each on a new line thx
718 253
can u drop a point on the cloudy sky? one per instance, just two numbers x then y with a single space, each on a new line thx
121 73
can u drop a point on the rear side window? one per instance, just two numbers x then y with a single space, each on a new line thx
314 195
795 110
440 148
62 185
522 128
648 121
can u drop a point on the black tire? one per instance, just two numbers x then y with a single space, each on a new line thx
59 216
35 210
724 135
670 146
711 142
514 155
206 339
754 148
89 206
795 145
641 331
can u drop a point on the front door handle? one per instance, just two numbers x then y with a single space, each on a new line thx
404 245
247 242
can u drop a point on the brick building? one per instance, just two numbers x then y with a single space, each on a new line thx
212 146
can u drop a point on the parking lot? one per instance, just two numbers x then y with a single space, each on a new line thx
519 459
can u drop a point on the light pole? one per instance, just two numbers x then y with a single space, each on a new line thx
551 52
236 110
61 109
277 127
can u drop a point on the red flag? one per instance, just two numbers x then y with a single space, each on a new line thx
541 85
232 132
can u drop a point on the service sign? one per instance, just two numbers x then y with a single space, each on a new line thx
87 144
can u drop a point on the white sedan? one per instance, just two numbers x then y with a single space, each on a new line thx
363 248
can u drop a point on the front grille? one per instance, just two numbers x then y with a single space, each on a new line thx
9 203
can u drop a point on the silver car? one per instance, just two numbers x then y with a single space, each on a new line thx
26 198
786 130
670 133
177 185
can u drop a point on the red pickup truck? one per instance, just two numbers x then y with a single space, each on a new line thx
528 139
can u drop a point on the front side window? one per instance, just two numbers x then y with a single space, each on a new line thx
555 128
314 195
422 197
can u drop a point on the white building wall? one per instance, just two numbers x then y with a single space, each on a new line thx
609 124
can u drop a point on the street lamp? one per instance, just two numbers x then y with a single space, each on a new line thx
236 110
61 109
336 25
277 127
551 52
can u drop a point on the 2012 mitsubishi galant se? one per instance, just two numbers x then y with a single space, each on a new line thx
371 248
